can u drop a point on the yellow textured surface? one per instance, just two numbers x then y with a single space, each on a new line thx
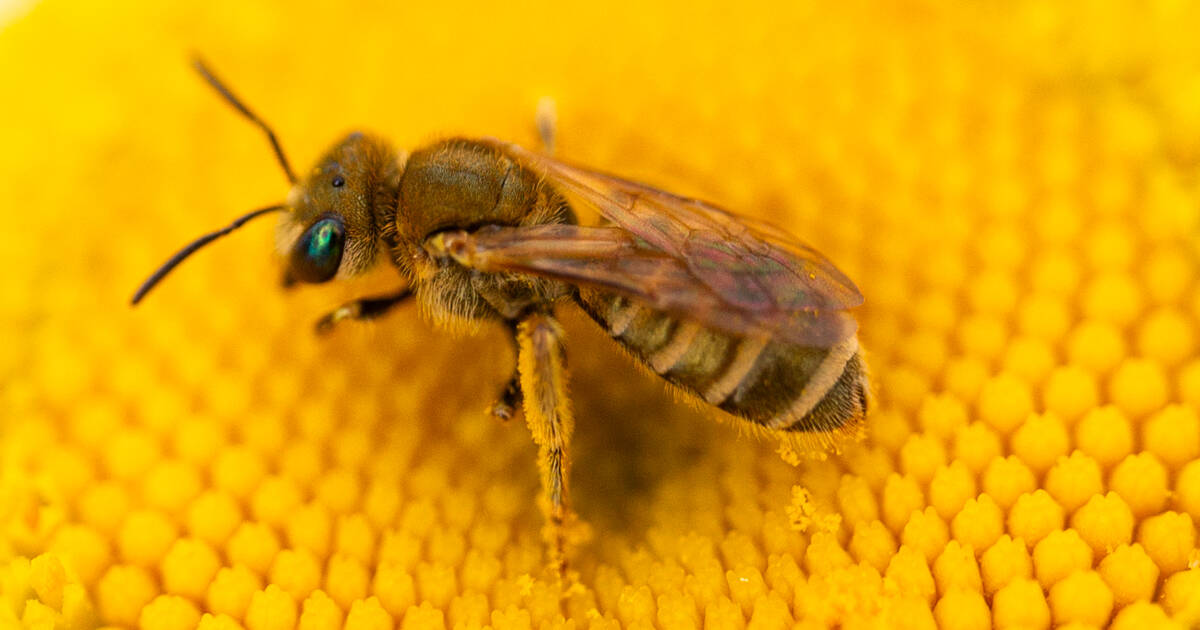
1015 187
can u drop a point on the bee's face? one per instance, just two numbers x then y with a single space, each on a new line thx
331 228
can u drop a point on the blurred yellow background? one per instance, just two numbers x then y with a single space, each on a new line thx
1012 185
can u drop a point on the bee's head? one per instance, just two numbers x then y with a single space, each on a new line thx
332 218
331 229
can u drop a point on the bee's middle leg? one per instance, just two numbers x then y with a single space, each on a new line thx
510 396
541 363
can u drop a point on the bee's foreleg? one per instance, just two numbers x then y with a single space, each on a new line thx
362 308
541 363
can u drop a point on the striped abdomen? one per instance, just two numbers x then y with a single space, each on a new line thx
770 383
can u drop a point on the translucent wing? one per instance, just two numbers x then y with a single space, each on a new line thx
681 255
611 259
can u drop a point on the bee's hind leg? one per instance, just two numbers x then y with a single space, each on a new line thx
547 123
541 363
362 308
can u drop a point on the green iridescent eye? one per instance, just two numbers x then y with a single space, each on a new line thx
316 256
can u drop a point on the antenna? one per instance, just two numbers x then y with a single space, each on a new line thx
195 245
212 80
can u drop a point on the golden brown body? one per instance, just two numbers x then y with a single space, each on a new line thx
462 184
737 314
772 384
456 184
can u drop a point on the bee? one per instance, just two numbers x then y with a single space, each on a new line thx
736 314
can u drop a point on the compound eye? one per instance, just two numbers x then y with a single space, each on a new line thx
317 254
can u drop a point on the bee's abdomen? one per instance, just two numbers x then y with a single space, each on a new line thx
777 385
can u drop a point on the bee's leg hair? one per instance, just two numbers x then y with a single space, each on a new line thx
542 365
362 308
